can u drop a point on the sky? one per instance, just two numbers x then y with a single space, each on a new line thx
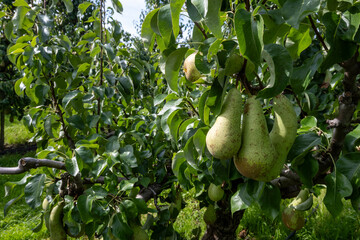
131 14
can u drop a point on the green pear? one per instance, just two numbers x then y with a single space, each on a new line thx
139 233
224 138
292 218
47 209
191 72
234 64
257 155
284 131
215 192
57 231
210 215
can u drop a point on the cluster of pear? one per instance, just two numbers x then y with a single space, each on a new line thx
257 154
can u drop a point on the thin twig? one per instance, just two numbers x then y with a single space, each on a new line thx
192 106
60 114
318 35
201 29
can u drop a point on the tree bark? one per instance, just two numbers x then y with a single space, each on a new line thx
2 130
225 225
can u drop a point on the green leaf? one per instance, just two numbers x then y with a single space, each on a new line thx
130 209
249 32
338 187
270 201
351 139
204 110
280 65
298 40
11 203
172 67
127 184
84 204
110 51
127 156
212 17
276 29
237 203
248 193
120 228
9 27
70 96
302 145
302 75
307 169
191 154
85 154
117 5
349 165
72 166
19 17
340 51
294 11
20 3
76 121
34 189
164 23
83 6
69 5
196 13
175 6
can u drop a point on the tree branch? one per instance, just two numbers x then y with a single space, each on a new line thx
318 35
27 163
201 29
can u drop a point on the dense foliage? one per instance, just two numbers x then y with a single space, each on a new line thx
118 125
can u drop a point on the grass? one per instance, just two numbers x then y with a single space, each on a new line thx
16 132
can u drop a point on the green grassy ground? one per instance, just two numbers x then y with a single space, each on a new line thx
16 132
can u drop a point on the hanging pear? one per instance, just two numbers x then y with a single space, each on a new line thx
57 231
224 138
257 155
284 130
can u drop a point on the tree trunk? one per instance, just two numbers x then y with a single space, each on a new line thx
225 225
2 129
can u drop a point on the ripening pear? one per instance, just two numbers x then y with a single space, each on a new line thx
47 209
284 130
292 218
257 155
57 231
224 138
191 72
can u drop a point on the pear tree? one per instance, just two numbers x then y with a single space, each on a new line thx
265 109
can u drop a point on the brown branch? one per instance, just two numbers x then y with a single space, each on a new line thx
347 106
318 35
27 163
201 29
102 16
192 106
247 5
